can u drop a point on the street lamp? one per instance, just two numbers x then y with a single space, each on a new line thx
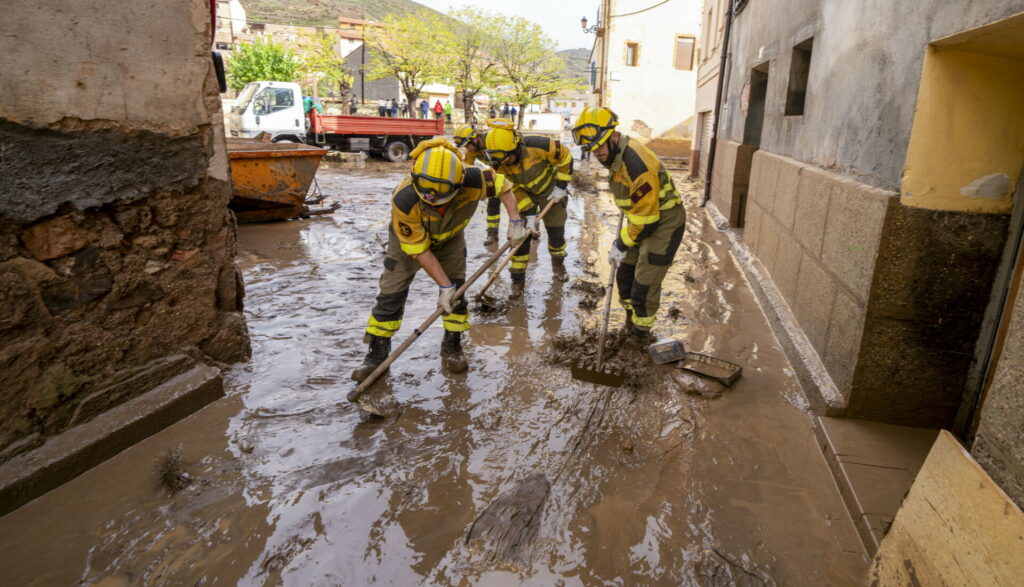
592 29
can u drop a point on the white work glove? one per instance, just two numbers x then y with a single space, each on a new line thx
533 225
615 254
446 298
558 194
517 230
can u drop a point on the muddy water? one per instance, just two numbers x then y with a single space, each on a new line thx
510 473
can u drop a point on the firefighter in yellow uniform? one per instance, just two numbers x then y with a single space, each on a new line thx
654 216
472 143
541 168
429 212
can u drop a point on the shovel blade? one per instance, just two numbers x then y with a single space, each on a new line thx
588 371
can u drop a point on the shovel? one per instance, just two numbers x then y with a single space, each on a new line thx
481 297
595 372
355 395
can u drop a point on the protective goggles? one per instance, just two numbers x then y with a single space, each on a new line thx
590 136
498 156
461 141
433 190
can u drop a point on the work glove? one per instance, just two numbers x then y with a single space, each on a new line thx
558 194
446 299
517 230
533 225
617 253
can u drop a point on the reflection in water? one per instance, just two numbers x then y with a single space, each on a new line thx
509 473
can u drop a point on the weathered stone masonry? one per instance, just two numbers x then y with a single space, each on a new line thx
116 245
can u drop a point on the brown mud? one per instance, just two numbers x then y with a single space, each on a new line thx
510 473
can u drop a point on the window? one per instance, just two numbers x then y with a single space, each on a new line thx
632 53
799 68
684 52
273 99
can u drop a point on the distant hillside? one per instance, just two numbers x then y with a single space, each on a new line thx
577 62
325 12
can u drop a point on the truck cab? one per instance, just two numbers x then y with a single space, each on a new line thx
271 107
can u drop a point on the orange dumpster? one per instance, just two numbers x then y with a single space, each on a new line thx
270 180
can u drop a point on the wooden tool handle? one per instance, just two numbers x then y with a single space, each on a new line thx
608 302
353 395
505 261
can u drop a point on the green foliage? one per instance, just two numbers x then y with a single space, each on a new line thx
325 13
474 66
528 59
318 59
263 60
414 48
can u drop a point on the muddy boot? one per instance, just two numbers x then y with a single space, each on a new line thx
518 286
627 326
492 237
640 335
380 348
558 272
452 359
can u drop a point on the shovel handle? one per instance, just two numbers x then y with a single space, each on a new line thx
353 396
505 261
608 303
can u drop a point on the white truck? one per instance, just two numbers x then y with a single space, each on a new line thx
277 108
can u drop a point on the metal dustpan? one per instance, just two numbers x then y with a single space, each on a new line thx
724 372
589 371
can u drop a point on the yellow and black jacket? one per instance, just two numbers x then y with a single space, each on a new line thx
420 226
543 163
642 189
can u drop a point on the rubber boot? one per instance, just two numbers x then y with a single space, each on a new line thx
380 348
558 272
518 286
492 237
627 326
452 359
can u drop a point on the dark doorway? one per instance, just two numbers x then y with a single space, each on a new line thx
755 107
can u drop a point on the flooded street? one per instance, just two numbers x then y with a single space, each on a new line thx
511 473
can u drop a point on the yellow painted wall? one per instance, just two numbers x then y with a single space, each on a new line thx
969 123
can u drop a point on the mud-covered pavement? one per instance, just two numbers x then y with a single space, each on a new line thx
510 473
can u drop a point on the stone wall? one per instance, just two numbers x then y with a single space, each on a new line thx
117 250
817 234
999 444
890 297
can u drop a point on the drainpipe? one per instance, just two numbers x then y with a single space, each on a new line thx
718 105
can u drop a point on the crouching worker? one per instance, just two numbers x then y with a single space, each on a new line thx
654 215
429 213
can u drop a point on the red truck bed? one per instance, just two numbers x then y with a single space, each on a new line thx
373 125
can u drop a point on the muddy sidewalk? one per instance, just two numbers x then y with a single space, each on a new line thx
510 473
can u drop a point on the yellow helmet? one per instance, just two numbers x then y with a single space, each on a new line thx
437 171
501 123
501 143
593 127
464 134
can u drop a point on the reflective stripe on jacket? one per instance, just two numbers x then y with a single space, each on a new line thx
642 188
542 162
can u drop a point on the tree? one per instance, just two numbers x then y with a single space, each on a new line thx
412 48
528 59
474 66
318 60
263 60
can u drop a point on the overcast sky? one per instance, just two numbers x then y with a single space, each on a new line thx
559 18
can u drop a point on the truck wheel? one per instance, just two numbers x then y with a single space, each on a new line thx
396 151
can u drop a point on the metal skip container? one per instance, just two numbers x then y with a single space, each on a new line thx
270 180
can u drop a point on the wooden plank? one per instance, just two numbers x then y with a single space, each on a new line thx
955 527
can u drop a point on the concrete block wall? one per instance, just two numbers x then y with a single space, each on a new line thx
730 179
818 236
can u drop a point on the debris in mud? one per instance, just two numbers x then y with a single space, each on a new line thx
674 313
588 288
584 180
508 526
589 303
623 353
170 473
488 306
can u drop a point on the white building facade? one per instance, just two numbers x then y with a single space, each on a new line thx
645 59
